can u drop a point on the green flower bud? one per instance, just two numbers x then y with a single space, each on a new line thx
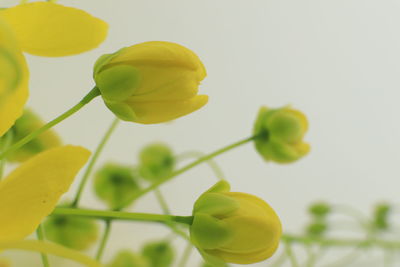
280 134
317 229
234 227
320 209
160 254
381 216
115 184
156 161
26 124
125 258
73 232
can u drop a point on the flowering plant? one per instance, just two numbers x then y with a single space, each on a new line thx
150 82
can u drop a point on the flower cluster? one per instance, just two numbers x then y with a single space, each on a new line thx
147 83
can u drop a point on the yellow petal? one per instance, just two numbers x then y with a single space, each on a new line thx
50 248
14 78
31 191
157 112
161 54
53 30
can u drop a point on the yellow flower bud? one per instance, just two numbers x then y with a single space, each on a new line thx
279 134
151 82
234 227
26 124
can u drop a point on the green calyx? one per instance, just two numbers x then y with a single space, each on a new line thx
320 209
115 184
208 231
156 161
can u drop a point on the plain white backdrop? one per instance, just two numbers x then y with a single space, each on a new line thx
336 60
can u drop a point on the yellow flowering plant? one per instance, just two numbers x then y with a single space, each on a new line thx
149 82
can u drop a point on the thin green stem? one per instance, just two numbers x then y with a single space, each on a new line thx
289 252
167 211
90 96
40 236
185 255
161 200
213 165
188 167
104 240
7 141
120 215
331 242
93 160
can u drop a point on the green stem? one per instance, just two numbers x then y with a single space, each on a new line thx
290 254
331 242
7 141
185 255
120 215
213 165
186 168
91 95
93 160
40 236
104 240
162 202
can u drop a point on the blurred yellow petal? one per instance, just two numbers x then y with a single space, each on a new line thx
31 191
14 78
53 30
50 248
156 112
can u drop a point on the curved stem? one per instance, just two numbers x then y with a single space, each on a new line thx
185 255
104 240
93 160
91 95
289 252
40 236
120 215
162 202
7 141
331 242
188 167
213 165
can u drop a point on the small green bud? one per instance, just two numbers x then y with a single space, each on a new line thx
73 232
381 216
160 254
317 229
115 184
125 258
319 209
279 134
26 124
156 161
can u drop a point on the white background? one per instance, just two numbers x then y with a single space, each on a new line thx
336 60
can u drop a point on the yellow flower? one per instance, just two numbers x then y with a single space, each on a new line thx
279 134
26 124
234 227
151 82
31 191
14 78
53 30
